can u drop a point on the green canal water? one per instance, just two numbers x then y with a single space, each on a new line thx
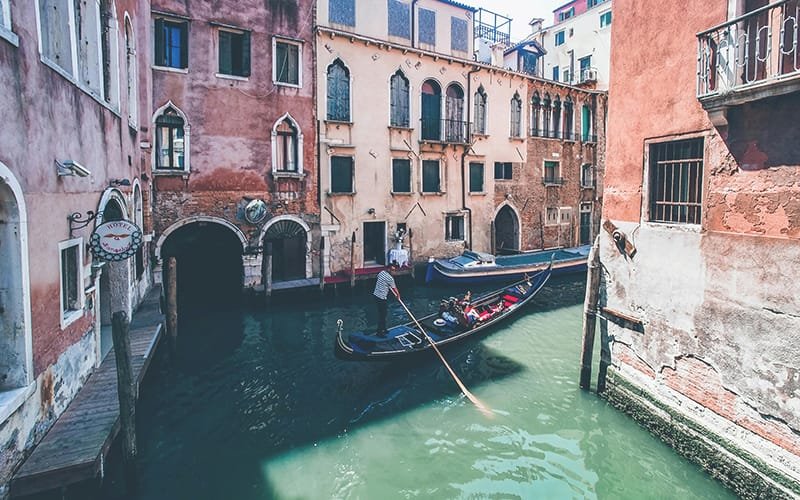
257 407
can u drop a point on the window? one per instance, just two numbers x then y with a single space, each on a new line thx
556 73
56 34
569 119
552 172
427 26
536 113
551 218
676 181
454 228
338 92
5 15
342 174
401 175
431 181
172 43
431 111
546 116
286 149
70 263
459 38
566 14
455 126
475 177
593 3
399 100
170 141
559 40
567 76
480 111
586 124
399 19
585 66
286 65
342 12
234 53
605 19
557 118
131 74
503 171
516 116
587 180
109 54
565 216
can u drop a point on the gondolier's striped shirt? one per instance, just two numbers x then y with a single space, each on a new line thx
383 284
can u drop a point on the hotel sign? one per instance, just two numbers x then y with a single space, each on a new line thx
116 240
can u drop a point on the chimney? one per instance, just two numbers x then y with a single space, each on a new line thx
536 24
497 54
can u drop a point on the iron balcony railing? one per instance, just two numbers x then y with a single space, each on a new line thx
758 47
445 130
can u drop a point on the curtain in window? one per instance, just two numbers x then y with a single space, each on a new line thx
287 147
338 92
169 140
399 99
516 116
480 111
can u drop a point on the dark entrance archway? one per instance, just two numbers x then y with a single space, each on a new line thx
288 241
506 227
209 257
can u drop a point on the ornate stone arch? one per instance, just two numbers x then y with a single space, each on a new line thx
187 150
517 219
292 218
274 141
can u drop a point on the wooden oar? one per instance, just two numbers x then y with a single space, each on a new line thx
477 402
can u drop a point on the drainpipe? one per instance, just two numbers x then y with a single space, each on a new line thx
413 17
464 155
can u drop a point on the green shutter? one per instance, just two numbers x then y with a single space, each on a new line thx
184 45
246 54
225 64
160 44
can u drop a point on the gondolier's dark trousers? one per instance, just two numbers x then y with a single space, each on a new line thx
382 306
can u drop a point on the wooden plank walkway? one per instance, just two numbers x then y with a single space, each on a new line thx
75 448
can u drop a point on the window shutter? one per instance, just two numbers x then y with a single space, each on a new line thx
225 66
246 54
184 45
160 44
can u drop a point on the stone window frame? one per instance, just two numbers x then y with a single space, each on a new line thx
482 166
440 179
401 118
352 191
339 63
287 41
481 111
245 56
185 26
449 220
552 216
410 175
517 125
5 24
69 314
187 150
298 147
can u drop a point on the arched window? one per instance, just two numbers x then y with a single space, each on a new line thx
399 98
431 111
130 67
455 128
557 118
536 114
171 141
569 119
480 111
338 92
546 110
286 146
516 116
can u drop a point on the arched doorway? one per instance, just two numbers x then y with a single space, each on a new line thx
209 258
288 240
15 328
114 280
506 227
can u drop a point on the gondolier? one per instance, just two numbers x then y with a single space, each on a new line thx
384 284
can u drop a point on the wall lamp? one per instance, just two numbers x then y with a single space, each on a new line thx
71 167
119 182
371 211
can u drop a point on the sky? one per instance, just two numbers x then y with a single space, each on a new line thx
521 11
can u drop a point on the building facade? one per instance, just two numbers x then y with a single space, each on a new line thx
417 137
578 44
702 184
234 154
72 79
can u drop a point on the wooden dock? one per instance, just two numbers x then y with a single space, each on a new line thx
75 448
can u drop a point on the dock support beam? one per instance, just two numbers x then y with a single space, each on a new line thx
411 253
126 389
352 260
172 303
267 272
322 264
590 313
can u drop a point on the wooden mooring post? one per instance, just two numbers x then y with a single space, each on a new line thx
267 272
411 254
590 313
322 264
172 303
126 389
353 260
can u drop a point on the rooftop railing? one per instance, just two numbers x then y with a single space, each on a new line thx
756 48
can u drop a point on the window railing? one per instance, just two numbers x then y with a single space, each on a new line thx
588 138
760 46
445 130
552 181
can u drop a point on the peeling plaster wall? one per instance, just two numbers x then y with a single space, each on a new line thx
719 301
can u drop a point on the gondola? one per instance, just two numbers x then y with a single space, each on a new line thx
443 327
477 267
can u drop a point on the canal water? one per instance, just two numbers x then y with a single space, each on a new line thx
257 407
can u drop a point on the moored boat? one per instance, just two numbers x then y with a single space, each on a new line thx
477 267
442 327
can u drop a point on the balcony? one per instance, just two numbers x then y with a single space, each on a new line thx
553 181
751 57
445 131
